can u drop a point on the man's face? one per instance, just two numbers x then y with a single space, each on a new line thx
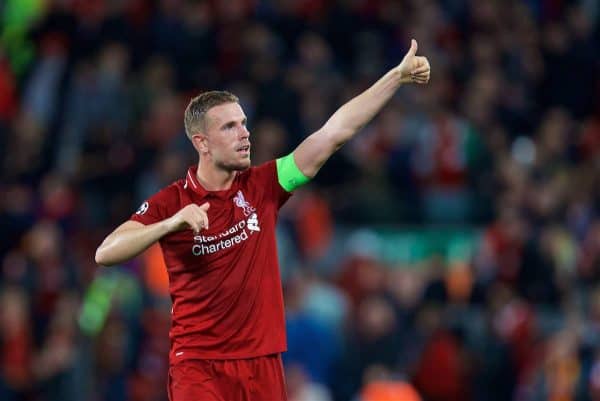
226 140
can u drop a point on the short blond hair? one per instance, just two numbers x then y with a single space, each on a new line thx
195 113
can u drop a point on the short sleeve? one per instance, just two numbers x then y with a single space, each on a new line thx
153 209
265 176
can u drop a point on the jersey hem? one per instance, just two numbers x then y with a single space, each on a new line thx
174 359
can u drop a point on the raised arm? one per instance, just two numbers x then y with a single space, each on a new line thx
314 151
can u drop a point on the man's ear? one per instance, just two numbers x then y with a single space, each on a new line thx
200 142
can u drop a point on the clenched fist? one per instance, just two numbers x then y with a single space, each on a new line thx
414 68
192 216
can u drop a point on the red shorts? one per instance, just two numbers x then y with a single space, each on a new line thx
255 379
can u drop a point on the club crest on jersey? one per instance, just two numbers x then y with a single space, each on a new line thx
142 209
241 202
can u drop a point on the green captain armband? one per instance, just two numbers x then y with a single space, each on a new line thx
289 175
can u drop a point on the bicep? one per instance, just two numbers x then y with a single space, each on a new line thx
116 233
313 152
128 225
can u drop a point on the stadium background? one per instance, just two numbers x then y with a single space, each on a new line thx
453 245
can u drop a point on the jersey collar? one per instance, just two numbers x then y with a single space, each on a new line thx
192 183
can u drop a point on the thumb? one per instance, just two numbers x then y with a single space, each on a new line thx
205 206
413 48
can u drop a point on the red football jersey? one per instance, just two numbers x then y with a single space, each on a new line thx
224 282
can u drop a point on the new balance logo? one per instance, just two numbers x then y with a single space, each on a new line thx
253 223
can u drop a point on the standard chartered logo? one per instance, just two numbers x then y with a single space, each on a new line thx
234 235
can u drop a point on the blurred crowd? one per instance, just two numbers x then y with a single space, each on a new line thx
504 141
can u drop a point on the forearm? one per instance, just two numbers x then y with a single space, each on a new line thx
356 113
312 153
122 245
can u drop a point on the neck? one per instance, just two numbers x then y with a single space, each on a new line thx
213 178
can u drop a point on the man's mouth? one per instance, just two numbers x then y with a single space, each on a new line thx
244 149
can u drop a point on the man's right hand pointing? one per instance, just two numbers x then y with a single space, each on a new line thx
192 216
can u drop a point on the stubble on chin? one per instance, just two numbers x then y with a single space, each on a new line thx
240 166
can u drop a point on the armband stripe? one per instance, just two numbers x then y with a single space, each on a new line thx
288 174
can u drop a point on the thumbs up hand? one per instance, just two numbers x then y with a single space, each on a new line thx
414 68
